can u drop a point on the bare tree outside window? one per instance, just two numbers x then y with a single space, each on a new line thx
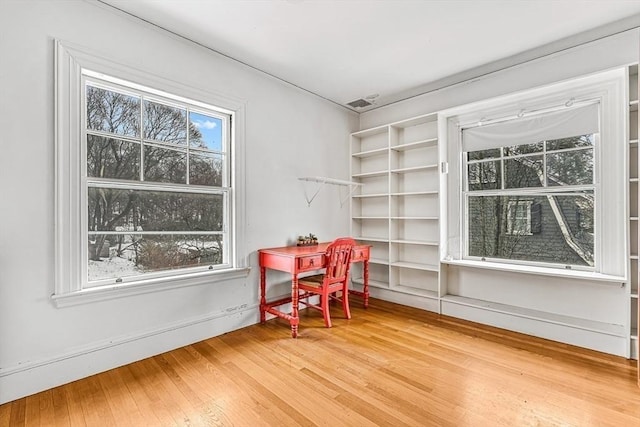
156 176
533 202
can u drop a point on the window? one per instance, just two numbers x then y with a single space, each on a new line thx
519 217
148 182
533 179
509 187
157 183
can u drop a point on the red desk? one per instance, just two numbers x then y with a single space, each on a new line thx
300 259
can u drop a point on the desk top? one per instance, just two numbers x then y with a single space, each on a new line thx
296 251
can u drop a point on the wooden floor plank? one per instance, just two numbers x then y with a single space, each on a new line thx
389 365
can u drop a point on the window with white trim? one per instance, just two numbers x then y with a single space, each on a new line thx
535 178
509 186
519 217
149 182
157 183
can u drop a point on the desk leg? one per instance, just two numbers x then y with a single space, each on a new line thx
263 298
295 319
365 285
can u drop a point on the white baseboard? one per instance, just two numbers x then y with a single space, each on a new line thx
565 333
410 300
33 377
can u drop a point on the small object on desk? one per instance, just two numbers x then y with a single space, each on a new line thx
309 240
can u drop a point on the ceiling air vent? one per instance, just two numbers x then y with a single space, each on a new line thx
359 103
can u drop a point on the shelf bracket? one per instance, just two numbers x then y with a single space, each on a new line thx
322 181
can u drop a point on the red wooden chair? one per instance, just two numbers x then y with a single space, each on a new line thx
335 279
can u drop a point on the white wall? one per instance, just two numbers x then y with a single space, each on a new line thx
289 133
608 52
596 301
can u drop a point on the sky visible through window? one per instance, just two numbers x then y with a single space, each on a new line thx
210 128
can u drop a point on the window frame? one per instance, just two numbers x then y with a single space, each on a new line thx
608 89
533 191
71 64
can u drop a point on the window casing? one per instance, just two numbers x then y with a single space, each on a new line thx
185 202
481 177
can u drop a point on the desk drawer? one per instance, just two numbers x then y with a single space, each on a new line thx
311 262
360 254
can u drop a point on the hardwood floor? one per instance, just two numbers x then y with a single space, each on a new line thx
388 366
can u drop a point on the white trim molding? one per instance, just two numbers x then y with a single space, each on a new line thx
71 62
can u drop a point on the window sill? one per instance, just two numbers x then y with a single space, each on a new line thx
543 271
103 293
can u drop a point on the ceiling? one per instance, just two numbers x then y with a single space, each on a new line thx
387 50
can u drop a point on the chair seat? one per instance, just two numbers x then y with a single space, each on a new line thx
317 279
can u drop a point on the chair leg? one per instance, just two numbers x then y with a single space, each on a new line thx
326 309
345 303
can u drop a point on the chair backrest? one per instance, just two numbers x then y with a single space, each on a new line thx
338 257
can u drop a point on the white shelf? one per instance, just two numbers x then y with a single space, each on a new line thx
414 242
371 239
321 181
364 196
371 153
426 218
369 174
415 266
417 144
415 193
370 217
378 261
373 283
415 291
414 169
370 132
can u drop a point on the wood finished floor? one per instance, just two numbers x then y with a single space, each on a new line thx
388 366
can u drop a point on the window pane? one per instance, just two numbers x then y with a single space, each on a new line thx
556 229
165 165
483 154
524 172
205 132
573 142
570 168
165 124
205 169
523 149
113 112
484 176
126 255
136 210
112 158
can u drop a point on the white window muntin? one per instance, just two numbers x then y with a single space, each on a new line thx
502 156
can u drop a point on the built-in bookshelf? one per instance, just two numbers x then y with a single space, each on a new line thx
397 209
401 211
